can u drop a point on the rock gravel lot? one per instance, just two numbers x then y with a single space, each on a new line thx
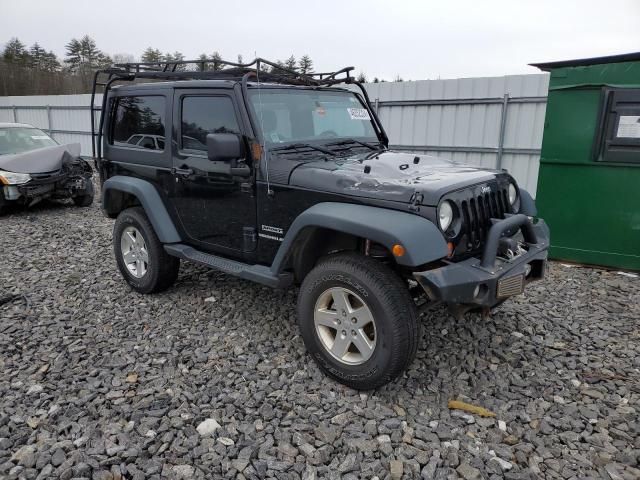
211 380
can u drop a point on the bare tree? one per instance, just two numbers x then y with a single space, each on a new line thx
123 58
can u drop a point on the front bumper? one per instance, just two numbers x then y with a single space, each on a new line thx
487 281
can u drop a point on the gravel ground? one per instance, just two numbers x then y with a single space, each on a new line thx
211 379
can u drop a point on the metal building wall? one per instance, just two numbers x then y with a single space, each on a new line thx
495 122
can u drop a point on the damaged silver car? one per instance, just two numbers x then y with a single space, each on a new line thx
34 167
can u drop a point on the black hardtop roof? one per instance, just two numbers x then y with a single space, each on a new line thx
584 62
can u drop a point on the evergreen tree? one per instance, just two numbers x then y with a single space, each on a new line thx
362 78
50 62
305 64
83 56
151 55
216 66
16 52
36 54
290 63
174 57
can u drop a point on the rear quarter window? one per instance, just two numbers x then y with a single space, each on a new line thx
138 122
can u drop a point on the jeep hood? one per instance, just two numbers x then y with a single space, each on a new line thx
394 176
42 160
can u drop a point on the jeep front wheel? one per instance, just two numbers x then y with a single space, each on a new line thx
358 320
140 255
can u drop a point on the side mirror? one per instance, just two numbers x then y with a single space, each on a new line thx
224 147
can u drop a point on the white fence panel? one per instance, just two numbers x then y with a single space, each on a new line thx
66 118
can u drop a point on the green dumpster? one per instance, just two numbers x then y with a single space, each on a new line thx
589 179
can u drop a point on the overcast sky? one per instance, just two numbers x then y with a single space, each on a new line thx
416 39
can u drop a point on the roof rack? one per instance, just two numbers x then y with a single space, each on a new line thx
209 69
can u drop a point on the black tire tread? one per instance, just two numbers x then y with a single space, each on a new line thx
391 291
166 272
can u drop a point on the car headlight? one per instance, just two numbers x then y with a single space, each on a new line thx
445 215
11 178
513 194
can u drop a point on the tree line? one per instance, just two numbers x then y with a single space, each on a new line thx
34 70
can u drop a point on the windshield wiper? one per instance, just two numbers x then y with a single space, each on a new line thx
297 146
352 140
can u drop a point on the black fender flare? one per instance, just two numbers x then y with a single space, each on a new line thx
150 200
422 240
527 204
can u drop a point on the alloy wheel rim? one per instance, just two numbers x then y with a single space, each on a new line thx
345 326
134 252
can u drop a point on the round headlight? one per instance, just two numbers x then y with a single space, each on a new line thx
445 215
513 193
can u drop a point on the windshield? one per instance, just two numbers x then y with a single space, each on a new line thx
288 115
23 139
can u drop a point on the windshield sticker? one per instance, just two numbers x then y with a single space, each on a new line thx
39 137
320 111
629 127
358 114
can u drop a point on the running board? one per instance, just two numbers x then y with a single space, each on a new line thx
255 273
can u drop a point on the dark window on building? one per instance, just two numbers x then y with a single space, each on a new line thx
204 115
138 122
618 134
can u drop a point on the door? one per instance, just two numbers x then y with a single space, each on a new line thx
214 208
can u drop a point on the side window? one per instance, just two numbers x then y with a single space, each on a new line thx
618 135
138 122
203 115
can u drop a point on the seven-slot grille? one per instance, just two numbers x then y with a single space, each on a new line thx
477 213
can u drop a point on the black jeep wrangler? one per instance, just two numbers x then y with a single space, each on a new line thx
285 179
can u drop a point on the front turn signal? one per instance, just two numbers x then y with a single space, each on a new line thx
398 250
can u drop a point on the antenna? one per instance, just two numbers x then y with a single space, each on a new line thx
264 139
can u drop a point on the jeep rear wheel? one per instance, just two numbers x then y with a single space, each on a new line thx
358 320
140 256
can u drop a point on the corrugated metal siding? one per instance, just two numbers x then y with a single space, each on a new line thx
465 132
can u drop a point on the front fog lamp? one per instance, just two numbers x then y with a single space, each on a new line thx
11 178
513 194
445 215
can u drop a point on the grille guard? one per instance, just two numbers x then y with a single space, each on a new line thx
486 281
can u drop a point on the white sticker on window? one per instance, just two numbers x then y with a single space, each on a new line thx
39 137
358 114
629 126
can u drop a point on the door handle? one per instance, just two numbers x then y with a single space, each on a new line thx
183 172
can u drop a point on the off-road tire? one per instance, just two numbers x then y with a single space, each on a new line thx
394 312
162 269
83 200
